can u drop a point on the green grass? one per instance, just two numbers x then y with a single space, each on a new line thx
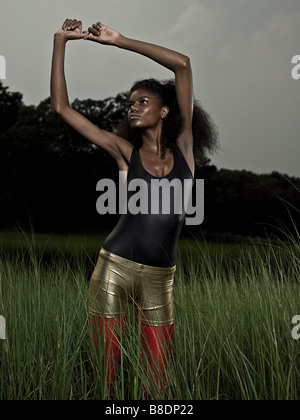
234 306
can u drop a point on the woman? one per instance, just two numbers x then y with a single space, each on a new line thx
158 140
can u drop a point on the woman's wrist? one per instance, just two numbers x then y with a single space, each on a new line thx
60 37
119 41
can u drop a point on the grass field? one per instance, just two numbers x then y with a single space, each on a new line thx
234 306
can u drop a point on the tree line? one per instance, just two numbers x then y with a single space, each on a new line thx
48 177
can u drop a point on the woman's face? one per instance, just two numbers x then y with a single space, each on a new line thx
145 110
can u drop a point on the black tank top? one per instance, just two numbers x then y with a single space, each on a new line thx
150 239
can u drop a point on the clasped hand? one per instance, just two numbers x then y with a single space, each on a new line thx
72 29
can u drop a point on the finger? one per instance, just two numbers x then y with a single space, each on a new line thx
69 21
93 31
96 27
65 24
75 24
90 37
98 24
77 28
79 35
72 23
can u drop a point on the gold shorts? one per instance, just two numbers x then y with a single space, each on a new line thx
117 281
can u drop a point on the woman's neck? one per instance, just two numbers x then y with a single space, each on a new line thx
152 140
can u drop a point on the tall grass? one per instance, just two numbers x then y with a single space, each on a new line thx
233 311
241 344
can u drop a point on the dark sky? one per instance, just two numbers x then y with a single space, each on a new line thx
241 52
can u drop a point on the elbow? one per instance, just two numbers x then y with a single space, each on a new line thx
56 110
184 63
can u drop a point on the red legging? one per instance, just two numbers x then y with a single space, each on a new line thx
156 343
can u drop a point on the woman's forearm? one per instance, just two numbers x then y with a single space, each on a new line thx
170 59
58 88
174 61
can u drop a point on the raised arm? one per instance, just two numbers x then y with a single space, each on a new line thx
70 30
174 61
119 148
